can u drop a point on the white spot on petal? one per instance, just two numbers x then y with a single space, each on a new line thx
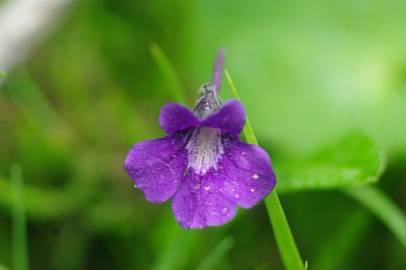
224 210
255 176
237 196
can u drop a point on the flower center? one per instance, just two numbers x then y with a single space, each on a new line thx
204 149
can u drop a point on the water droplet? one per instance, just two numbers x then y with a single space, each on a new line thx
135 186
252 189
207 188
255 176
224 210
197 186
237 196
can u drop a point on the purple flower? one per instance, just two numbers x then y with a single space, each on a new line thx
201 165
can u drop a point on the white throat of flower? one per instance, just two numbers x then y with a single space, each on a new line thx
205 149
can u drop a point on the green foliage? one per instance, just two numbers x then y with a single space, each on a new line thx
383 208
20 256
216 254
354 160
310 74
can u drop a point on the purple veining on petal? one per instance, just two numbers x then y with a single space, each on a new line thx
157 166
218 70
244 177
175 117
196 206
247 174
230 118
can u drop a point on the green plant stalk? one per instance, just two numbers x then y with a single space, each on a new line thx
168 72
284 238
19 239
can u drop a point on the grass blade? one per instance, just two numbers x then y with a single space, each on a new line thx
20 256
2 74
284 238
168 72
216 254
2 267
383 208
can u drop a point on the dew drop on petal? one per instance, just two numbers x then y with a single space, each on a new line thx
224 210
252 189
255 176
207 188
237 196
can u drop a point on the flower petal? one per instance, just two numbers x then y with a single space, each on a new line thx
230 118
247 174
175 117
196 206
157 167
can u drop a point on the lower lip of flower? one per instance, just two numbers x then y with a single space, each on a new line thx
205 148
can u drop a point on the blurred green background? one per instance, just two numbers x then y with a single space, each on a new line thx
324 85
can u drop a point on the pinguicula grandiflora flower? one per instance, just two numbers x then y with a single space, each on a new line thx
202 165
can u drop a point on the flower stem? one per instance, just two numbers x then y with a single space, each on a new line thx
284 238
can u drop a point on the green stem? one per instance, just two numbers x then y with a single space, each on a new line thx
284 238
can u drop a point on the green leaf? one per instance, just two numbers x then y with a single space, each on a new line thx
216 254
354 160
2 74
2 267
168 73
383 208
20 256
284 238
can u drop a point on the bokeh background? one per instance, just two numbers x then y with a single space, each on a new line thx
324 85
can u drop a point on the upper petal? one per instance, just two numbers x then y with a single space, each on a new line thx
230 118
175 117
247 174
199 204
157 166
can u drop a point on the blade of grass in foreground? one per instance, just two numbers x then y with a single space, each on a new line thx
2 267
382 207
168 72
216 254
20 257
284 238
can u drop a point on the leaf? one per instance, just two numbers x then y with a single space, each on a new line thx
382 207
2 74
19 237
354 160
2 267
216 254
284 238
